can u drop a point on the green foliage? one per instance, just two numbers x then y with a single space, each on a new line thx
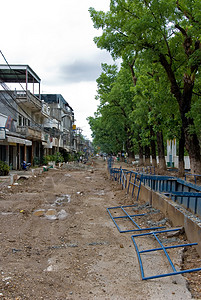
36 161
111 124
67 157
159 41
46 159
76 156
4 168
58 157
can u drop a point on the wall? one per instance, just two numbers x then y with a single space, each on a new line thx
179 216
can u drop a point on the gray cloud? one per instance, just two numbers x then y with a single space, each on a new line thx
84 69
80 70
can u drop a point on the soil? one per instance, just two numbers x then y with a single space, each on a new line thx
57 241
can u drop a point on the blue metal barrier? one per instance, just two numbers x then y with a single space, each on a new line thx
130 217
115 173
162 184
194 175
188 194
185 198
123 178
163 248
146 170
150 170
110 163
132 176
135 182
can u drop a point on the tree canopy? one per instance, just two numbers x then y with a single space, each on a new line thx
165 36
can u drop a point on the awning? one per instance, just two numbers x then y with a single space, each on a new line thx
18 73
13 139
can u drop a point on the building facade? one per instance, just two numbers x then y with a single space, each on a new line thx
59 125
33 124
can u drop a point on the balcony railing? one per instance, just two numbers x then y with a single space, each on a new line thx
29 100
30 132
45 109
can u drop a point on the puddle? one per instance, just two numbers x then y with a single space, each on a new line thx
61 215
61 200
51 214
51 265
39 212
100 193
98 243
51 217
66 245
79 193
6 213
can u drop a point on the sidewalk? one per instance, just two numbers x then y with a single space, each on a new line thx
14 175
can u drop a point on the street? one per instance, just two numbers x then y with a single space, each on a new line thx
57 241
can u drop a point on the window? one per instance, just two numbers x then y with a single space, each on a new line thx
20 121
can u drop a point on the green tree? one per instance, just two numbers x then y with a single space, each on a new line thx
166 33
111 124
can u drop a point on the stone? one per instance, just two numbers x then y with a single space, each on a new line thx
62 214
39 212
50 212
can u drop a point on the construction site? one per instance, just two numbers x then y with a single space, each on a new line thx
99 231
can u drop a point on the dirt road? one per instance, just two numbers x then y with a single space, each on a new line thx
57 241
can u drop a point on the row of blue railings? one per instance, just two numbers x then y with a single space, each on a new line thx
182 192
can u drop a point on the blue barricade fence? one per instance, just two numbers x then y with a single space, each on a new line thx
160 248
189 194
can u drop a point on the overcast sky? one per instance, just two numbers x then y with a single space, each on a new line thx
55 38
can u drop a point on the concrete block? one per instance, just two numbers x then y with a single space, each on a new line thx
145 194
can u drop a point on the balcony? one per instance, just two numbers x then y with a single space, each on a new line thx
45 110
30 132
28 100
52 123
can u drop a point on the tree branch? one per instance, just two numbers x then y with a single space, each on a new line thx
186 13
197 94
174 85
182 30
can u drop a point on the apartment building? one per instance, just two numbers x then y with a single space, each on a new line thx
33 124
60 124
22 116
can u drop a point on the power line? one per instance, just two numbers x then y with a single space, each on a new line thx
10 93
16 76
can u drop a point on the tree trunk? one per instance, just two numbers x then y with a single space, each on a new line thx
184 101
141 158
192 145
153 148
131 155
147 156
181 153
161 151
129 145
191 140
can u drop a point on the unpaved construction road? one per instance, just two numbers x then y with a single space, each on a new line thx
57 241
